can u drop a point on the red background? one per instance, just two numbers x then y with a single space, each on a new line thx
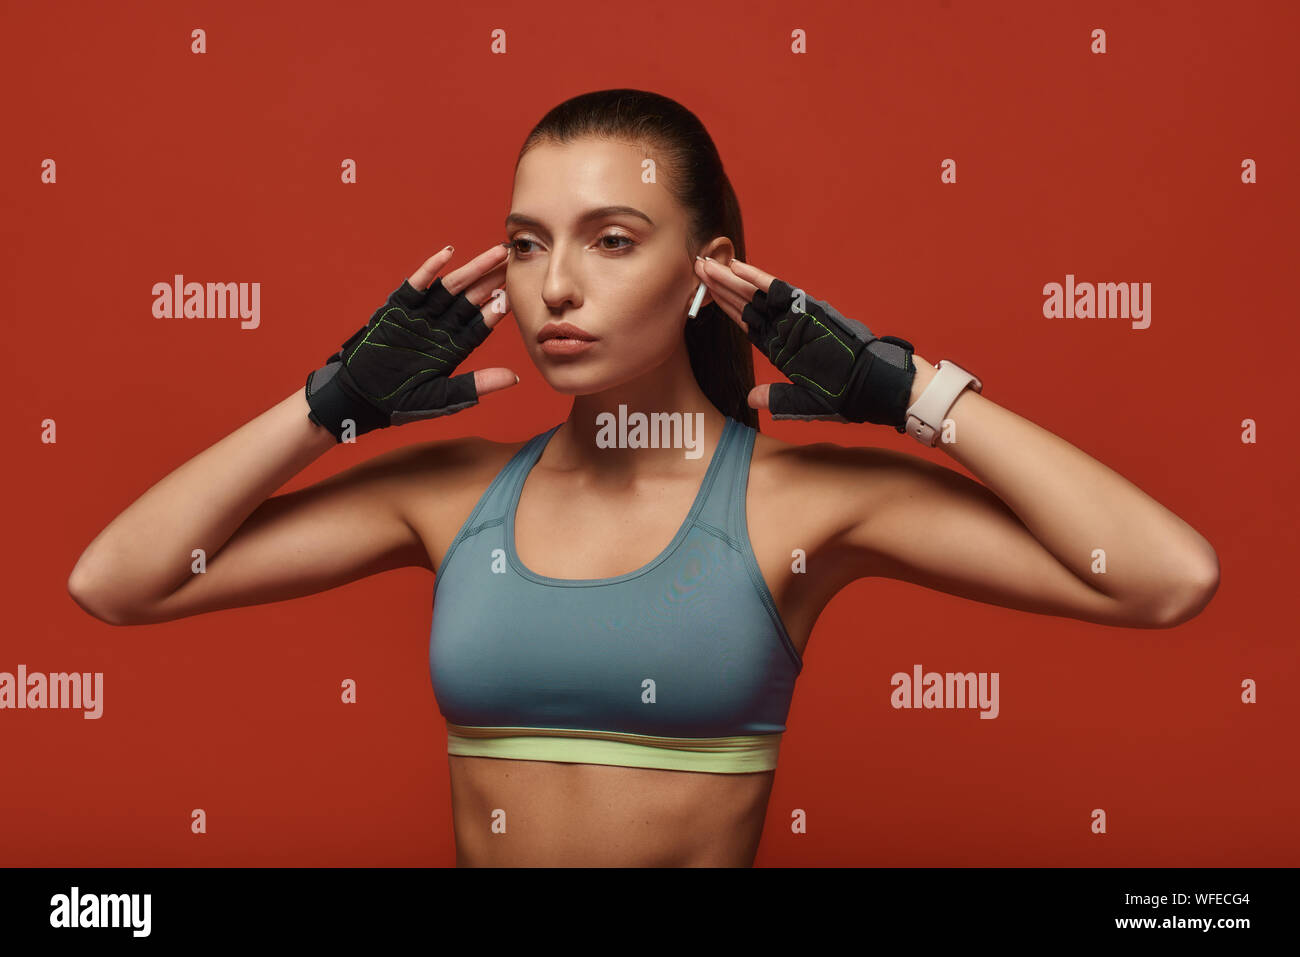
225 167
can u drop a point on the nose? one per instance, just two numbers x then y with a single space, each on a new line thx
561 285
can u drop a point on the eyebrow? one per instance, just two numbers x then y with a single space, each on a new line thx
519 219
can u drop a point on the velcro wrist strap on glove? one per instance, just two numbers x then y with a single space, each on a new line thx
838 368
334 402
397 368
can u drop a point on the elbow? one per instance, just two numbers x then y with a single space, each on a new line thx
1190 599
91 601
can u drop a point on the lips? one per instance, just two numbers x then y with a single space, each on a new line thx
563 330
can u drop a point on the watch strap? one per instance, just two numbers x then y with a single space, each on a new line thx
925 416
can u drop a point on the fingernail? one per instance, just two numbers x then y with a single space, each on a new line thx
516 379
709 258
449 249
700 258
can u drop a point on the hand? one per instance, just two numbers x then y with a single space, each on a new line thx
839 369
397 367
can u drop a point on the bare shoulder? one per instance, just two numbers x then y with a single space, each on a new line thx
836 484
437 484
824 498
805 501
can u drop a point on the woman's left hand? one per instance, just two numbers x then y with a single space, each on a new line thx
839 370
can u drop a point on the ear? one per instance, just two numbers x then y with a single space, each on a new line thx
721 249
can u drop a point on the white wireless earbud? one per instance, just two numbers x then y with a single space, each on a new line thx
699 298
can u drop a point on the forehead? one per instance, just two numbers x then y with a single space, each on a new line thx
555 183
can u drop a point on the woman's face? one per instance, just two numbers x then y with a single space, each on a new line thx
624 278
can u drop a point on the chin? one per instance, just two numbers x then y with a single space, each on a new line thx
577 378
574 382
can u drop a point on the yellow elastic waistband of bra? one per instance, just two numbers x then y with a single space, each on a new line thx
730 755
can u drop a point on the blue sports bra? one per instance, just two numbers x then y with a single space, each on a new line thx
682 664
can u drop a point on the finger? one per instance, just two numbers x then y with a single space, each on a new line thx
722 295
788 401
751 275
482 264
423 277
758 396
489 293
727 301
725 279
481 290
439 395
493 380
496 308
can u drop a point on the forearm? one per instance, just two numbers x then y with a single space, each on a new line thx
1087 515
146 552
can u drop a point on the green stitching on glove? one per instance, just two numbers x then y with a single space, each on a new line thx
442 362
776 361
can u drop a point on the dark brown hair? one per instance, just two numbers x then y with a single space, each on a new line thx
685 156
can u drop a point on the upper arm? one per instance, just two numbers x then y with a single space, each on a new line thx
343 528
914 520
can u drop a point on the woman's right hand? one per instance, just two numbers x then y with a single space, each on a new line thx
397 367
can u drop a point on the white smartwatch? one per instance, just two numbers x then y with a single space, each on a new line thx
925 416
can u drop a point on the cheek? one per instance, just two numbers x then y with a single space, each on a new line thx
647 301
648 319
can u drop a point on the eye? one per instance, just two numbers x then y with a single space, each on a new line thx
623 242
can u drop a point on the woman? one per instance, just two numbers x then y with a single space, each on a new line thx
618 622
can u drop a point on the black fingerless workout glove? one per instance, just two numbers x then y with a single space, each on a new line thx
397 368
838 368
